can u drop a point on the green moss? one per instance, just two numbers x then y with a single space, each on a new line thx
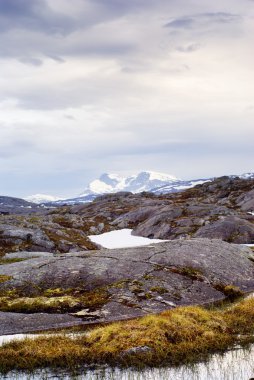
119 284
58 292
11 261
34 219
148 277
159 289
192 273
4 278
53 301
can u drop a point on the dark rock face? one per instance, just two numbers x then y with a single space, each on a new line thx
138 281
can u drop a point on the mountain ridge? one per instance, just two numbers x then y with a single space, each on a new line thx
144 181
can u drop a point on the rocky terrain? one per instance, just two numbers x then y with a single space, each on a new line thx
107 285
49 265
219 209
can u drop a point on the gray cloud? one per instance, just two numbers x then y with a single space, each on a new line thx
210 17
31 61
185 23
33 15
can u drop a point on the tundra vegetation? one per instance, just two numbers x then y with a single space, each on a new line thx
181 335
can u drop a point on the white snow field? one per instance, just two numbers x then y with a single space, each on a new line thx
121 239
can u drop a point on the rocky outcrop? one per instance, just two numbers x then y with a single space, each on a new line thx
45 233
246 201
128 283
33 238
231 229
218 209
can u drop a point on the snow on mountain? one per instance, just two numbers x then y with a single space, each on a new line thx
41 198
247 176
179 186
157 183
143 181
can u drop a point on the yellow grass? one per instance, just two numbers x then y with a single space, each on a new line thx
178 336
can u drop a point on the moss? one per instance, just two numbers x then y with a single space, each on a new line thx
11 261
119 284
4 278
159 289
53 301
148 277
192 273
57 292
34 219
175 337
230 291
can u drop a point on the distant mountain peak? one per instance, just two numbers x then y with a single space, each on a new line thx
135 183
154 182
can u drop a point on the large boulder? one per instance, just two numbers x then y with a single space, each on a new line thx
230 229
246 201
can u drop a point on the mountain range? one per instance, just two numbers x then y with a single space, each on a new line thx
148 181
158 183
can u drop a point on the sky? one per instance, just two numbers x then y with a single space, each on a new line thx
93 86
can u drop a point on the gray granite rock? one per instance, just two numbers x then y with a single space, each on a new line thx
138 281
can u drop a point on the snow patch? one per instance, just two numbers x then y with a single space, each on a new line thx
99 187
122 239
162 176
41 198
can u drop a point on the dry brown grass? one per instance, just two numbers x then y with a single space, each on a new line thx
178 336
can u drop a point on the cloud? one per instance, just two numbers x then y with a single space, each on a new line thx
181 23
33 15
31 61
197 19
189 48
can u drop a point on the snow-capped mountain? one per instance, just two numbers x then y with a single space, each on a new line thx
143 181
41 198
157 183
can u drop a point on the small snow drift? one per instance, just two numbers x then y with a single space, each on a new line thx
121 239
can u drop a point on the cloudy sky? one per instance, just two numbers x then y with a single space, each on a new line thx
91 86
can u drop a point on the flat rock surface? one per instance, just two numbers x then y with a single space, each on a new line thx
14 323
138 281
